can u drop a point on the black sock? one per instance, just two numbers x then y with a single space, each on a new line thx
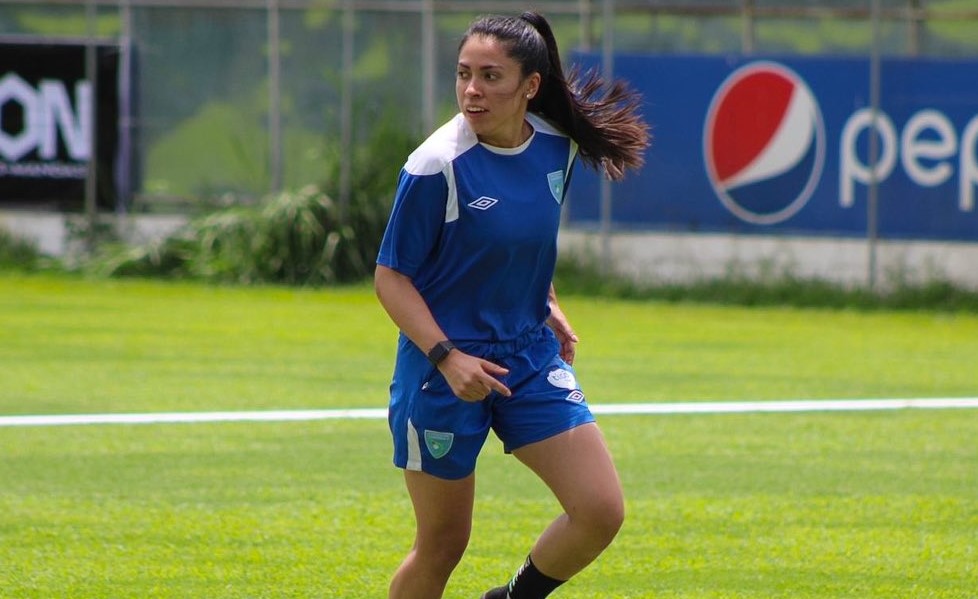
530 583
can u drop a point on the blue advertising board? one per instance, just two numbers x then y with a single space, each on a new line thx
785 146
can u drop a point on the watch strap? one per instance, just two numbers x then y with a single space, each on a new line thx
440 351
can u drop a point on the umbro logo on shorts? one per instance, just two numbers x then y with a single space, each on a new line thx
483 203
575 396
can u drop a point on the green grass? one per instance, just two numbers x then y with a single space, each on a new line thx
819 505
159 346
72 345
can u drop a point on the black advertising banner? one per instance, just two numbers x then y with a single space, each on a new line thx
46 124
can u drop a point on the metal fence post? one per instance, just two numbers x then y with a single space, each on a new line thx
608 71
124 183
747 19
346 107
428 66
91 74
584 23
872 204
274 98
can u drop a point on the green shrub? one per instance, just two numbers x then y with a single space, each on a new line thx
17 253
374 169
293 238
302 237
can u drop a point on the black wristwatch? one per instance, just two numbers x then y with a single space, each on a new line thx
440 351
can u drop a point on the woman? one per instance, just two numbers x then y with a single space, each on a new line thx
465 272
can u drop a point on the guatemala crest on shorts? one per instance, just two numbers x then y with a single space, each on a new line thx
556 182
438 443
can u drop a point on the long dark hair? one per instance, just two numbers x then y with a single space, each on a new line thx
602 119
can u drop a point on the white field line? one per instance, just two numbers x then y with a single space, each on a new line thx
739 407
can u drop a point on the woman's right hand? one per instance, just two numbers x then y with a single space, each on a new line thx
472 378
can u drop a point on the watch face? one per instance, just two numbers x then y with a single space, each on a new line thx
439 351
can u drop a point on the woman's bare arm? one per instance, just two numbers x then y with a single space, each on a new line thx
470 378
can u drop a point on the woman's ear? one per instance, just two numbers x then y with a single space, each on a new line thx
532 85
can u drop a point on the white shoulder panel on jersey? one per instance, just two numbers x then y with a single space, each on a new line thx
451 204
446 144
544 126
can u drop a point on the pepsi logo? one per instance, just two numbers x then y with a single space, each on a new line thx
764 143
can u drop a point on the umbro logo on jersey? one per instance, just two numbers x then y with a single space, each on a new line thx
483 203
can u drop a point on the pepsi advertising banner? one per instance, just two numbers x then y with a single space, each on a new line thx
51 119
785 146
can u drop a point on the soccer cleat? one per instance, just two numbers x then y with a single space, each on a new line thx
496 593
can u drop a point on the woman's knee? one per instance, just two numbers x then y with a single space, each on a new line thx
443 509
443 549
603 516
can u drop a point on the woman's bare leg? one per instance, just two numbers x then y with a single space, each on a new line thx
443 510
578 468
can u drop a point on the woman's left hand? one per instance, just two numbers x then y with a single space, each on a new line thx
565 334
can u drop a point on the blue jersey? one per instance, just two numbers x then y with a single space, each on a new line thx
475 228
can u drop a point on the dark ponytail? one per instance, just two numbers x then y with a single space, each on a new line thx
603 120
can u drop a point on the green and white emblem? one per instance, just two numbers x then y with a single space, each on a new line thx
439 444
556 181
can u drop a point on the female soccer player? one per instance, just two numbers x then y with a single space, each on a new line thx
465 272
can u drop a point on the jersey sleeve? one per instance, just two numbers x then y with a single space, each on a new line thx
416 221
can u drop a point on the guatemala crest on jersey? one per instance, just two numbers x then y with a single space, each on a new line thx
556 181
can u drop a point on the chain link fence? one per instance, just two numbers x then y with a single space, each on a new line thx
246 97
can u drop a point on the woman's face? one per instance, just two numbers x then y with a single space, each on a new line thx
491 91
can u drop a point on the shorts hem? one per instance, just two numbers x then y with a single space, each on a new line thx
548 434
440 474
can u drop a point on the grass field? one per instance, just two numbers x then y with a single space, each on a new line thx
809 505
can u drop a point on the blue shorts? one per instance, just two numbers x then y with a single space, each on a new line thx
436 432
